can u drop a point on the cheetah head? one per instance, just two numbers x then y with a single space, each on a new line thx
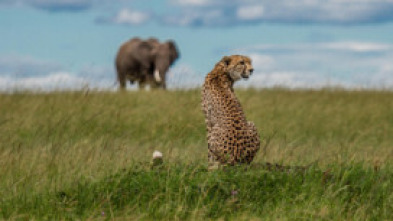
237 66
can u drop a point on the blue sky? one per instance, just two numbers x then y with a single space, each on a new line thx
56 44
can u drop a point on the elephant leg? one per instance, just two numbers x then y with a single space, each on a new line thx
122 81
153 85
142 83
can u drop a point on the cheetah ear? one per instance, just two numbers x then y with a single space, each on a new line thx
226 60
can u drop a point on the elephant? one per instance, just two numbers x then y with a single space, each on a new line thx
145 62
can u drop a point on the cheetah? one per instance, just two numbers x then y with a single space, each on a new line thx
231 138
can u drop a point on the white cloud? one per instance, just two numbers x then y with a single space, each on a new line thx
192 2
180 21
345 46
52 81
262 62
131 17
358 46
344 64
193 18
61 80
54 5
237 12
250 12
243 11
26 72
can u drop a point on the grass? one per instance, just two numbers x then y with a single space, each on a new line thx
79 155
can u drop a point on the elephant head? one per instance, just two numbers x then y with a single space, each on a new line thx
165 55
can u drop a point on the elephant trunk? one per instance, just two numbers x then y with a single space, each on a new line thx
161 66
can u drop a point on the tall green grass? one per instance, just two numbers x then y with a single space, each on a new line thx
84 155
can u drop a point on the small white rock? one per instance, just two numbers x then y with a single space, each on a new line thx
157 155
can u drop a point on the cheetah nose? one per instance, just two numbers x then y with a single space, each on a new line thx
251 70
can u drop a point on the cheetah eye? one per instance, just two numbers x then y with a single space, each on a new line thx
241 62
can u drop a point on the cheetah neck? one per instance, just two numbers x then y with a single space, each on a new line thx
221 79
220 86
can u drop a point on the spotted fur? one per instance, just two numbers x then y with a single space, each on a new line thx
231 138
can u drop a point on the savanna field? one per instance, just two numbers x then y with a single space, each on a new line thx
86 156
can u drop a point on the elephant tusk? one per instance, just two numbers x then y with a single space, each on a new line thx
157 76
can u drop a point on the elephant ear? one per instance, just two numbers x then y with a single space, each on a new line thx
173 52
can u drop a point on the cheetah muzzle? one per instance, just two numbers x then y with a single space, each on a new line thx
231 138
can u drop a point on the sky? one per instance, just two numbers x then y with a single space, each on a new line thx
72 44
